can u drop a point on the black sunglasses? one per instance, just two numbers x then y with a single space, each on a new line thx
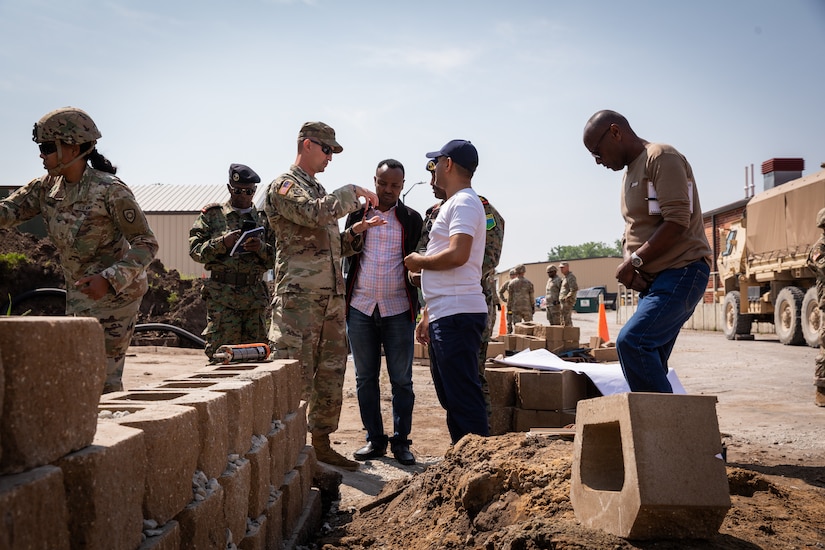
243 190
48 147
326 149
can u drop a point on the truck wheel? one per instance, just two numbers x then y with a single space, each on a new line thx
787 316
811 318
734 321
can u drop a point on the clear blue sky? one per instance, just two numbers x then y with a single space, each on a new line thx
182 89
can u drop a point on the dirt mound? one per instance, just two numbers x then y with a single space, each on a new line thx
512 492
28 263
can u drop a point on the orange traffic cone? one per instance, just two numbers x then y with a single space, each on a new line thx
502 323
603 334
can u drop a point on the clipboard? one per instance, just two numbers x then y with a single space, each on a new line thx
252 233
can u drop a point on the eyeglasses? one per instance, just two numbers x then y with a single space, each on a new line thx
595 153
243 190
431 165
48 147
326 149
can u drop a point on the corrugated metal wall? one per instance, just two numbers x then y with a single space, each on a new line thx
172 232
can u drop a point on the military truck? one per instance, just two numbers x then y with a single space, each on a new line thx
763 264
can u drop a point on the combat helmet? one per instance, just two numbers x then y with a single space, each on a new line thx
551 269
68 124
520 269
820 218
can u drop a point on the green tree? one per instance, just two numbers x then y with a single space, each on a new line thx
586 250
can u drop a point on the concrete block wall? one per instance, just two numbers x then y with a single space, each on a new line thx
214 459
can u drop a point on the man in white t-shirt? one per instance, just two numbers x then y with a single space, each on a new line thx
456 312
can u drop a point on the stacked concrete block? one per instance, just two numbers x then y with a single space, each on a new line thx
172 448
260 462
277 457
53 371
310 517
293 502
167 538
274 520
104 486
255 538
201 521
640 475
236 483
502 384
34 512
263 390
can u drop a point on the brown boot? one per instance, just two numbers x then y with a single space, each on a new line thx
819 399
326 454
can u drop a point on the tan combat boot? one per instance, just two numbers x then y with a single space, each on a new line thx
325 453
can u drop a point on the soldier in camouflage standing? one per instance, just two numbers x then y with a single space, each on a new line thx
493 242
236 296
551 297
567 294
97 226
309 309
521 296
505 290
816 262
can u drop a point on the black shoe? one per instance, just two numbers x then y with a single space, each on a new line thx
401 452
369 451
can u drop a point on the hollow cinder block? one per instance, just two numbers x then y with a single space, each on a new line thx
293 502
649 465
104 486
213 415
236 483
263 394
277 444
259 460
172 449
305 466
33 508
53 371
201 522
295 425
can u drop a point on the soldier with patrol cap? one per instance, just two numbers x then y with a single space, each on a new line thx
816 262
521 296
505 290
551 297
309 308
93 219
235 294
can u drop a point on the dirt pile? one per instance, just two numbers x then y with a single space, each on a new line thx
512 492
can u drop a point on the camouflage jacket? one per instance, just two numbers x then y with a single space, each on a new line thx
308 243
97 226
569 289
552 291
206 240
521 295
816 263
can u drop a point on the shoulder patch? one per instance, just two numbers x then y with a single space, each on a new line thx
484 201
491 222
210 206
285 186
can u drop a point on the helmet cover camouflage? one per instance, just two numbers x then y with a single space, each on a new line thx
551 269
520 268
820 218
68 124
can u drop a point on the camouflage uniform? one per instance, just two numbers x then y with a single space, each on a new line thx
98 228
505 290
552 292
236 297
816 262
521 299
308 310
567 297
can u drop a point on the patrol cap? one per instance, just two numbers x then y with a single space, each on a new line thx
241 173
820 218
520 268
512 272
461 151
563 264
551 268
322 132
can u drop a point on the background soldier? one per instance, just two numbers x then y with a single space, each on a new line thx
816 262
551 298
521 298
236 297
505 290
567 294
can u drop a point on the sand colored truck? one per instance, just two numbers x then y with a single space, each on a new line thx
762 265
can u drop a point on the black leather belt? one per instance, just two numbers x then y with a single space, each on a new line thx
237 279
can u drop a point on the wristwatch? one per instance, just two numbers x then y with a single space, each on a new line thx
352 232
636 261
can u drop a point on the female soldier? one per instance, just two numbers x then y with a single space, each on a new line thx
94 221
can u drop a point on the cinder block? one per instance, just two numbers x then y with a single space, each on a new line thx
240 399
309 521
294 386
501 420
572 334
295 425
33 508
638 474
549 390
274 520
509 341
494 349
282 371
526 328
167 539
236 481
263 392
277 456
172 448
255 538
53 372
305 466
104 486
502 384
524 419
213 416
554 332
293 502
259 460
202 522
604 355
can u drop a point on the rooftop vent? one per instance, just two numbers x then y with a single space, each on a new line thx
779 171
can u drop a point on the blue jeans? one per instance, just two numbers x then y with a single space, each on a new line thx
454 345
366 335
645 342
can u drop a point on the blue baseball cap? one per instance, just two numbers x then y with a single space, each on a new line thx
461 151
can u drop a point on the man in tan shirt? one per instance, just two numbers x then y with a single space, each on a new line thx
666 254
